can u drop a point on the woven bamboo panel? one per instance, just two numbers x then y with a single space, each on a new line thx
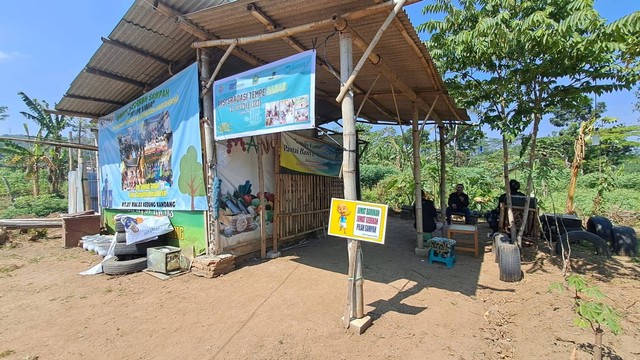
304 202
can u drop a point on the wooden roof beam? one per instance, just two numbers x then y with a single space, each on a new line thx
270 25
342 25
137 51
318 25
93 117
199 33
98 72
88 98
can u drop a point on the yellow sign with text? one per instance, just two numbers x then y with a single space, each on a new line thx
357 220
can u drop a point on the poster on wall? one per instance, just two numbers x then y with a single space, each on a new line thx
271 98
239 201
149 150
310 156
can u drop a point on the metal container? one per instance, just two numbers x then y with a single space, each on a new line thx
163 259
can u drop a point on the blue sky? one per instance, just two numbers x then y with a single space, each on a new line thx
45 45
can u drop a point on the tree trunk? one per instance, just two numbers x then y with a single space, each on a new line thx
597 349
36 182
532 156
575 168
505 172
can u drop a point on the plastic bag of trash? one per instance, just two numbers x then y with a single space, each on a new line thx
140 228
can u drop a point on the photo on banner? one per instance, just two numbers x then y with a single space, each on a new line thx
272 98
149 151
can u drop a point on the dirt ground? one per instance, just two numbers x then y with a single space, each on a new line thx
290 307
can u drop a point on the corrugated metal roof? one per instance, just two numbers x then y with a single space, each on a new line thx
148 30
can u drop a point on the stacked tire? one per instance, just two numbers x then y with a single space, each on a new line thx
507 255
573 237
128 258
625 241
554 226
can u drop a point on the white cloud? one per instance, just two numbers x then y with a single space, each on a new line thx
10 55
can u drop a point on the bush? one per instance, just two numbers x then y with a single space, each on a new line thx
371 175
41 206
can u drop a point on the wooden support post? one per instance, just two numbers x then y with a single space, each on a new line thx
443 176
355 304
263 211
415 136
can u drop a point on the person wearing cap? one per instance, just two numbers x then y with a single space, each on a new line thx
458 204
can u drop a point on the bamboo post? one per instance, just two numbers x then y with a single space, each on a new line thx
212 231
263 211
355 304
443 175
415 136
277 219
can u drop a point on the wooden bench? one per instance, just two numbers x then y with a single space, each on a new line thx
464 244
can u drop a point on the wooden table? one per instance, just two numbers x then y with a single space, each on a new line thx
463 244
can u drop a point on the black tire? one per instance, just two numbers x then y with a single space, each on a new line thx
113 266
509 263
625 241
136 249
602 227
573 237
118 226
121 237
497 240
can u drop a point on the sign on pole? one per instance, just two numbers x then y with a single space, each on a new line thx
357 220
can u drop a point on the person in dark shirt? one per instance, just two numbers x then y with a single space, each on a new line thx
459 203
429 215
494 215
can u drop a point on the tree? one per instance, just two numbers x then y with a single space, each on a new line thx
52 126
513 61
191 181
3 113
30 157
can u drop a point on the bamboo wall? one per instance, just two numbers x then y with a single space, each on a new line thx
303 203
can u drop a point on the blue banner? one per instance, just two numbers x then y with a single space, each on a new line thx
273 98
149 150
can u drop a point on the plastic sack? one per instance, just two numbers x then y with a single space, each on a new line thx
139 228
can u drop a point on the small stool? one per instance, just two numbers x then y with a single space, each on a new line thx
442 250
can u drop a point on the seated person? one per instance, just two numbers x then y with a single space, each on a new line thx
494 215
429 215
459 204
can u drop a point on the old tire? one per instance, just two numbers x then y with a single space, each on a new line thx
113 266
625 241
499 239
602 227
573 237
121 237
509 263
118 226
136 249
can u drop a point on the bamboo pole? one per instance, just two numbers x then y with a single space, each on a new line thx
318 25
443 175
263 211
355 304
212 230
276 221
369 49
217 70
415 136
